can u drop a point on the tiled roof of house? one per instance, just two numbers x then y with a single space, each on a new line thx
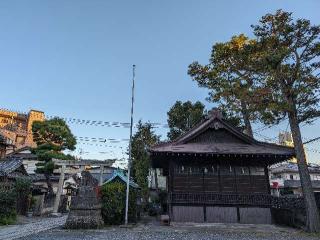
293 168
22 153
9 167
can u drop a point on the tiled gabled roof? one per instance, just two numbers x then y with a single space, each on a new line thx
8 168
123 177
230 141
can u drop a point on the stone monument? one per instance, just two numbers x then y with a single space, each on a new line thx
85 209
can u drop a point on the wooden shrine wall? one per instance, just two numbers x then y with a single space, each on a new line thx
219 178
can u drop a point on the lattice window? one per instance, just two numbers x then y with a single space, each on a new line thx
226 170
257 171
211 169
242 171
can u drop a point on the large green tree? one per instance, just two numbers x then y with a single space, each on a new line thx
141 141
289 65
230 79
182 116
52 138
276 75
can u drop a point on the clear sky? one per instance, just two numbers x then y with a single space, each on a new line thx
74 58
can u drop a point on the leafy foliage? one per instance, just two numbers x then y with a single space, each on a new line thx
54 132
7 207
23 188
141 141
52 138
288 59
230 80
273 76
113 203
288 63
23 185
183 116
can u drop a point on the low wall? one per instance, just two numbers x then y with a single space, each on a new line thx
289 217
290 211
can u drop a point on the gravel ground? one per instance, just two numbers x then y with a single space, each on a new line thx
30 226
176 233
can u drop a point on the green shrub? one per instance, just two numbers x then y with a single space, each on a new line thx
7 207
113 203
23 185
23 191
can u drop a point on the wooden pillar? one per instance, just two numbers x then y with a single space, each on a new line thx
219 175
59 191
266 172
236 188
170 183
101 175
203 192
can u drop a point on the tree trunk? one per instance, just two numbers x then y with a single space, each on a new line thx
246 119
313 218
50 189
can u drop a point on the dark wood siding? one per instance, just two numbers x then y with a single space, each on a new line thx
255 215
187 214
211 183
221 214
224 178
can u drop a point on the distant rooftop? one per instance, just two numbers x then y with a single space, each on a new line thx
293 168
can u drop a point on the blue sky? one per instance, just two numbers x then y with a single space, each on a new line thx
74 58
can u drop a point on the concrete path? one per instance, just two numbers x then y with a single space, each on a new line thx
19 231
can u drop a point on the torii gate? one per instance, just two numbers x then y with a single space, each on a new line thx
82 164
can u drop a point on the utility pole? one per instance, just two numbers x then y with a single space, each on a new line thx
129 161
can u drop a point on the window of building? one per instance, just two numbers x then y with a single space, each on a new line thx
291 177
316 177
242 171
181 169
211 169
257 171
20 139
226 170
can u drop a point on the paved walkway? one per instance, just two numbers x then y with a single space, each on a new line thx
42 224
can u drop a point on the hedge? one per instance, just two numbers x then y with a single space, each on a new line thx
113 203
7 207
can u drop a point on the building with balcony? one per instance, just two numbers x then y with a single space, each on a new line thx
285 179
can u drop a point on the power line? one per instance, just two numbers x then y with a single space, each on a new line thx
84 139
267 126
103 123
312 140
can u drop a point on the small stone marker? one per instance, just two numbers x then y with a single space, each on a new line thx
165 220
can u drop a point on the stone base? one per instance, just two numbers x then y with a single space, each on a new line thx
55 214
84 219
